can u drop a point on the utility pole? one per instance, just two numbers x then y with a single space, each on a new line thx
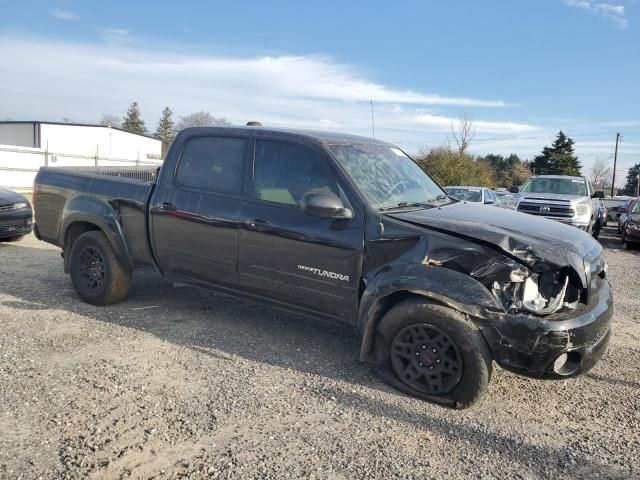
615 161
638 185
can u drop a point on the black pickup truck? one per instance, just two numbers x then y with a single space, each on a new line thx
348 229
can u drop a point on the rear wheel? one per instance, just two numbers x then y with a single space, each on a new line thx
434 353
96 273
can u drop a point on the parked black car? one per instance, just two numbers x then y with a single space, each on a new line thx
347 229
624 212
631 229
15 216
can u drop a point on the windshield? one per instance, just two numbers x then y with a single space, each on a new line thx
562 186
385 175
636 208
466 194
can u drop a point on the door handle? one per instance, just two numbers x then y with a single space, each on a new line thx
165 206
257 223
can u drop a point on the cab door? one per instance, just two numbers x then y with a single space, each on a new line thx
291 256
195 211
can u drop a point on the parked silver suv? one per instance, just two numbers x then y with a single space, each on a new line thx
570 200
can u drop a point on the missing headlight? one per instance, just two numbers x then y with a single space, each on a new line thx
540 294
534 302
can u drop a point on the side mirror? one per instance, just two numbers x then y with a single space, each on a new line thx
488 201
514 189
325 204
598 194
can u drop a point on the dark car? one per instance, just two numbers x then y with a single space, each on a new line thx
15 216
345 229
631 229
623 213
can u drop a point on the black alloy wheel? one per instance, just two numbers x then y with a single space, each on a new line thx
92 268
426 359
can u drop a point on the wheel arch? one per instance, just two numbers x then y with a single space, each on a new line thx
76 225
436 285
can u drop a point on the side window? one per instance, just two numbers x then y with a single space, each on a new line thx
213 164
284 172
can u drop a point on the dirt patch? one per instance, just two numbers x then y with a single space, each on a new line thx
177 382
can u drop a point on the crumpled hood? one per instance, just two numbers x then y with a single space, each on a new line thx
7 197
533 240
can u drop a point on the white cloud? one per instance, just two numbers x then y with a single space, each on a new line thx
117 36
81 82
64 14
614 13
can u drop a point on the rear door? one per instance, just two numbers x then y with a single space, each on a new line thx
195 210
288 255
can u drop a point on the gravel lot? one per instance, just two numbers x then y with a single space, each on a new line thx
178 382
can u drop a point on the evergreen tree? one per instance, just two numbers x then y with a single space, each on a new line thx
632 181
559 159
166 131
133 121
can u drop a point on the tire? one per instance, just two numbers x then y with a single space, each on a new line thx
435 378
96 273
12 239
596 230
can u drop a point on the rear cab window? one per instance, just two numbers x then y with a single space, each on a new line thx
212 164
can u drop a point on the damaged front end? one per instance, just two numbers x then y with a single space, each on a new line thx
540 294
537 291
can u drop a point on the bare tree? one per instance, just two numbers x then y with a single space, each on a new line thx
110 120
200 119
464 132
601 174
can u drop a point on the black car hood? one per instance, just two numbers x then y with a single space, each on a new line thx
535 241
7 197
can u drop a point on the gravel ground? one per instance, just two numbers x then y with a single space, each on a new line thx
178 382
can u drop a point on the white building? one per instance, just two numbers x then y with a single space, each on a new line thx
27 146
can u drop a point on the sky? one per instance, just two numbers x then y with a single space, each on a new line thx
521 70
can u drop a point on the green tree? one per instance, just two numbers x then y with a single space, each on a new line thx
453 167
133 121
558 159
632 181
508 171
166 131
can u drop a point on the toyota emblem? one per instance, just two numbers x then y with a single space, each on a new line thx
545 209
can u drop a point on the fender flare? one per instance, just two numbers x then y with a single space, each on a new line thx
84 209
436 284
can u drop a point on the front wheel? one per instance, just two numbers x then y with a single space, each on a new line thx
434 353
96 272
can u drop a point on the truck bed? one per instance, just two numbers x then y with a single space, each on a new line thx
106 194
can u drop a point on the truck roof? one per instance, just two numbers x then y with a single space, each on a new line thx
326 138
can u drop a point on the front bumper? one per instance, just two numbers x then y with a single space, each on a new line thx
530 345
15 223
632 234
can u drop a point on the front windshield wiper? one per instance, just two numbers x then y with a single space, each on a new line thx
425 204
